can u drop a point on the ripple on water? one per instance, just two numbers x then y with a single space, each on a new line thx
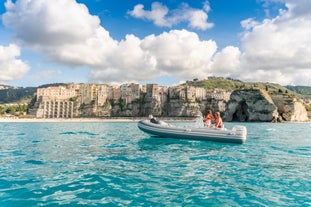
114 164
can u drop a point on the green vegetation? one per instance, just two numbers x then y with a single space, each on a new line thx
186 101
303 91
122 104
197 100
52 84
15 95
308 107
111 102
229 84
13 109
212 83
74 99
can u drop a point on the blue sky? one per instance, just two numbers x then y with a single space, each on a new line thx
164 42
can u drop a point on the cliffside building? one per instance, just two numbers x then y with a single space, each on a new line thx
130 92
88 93
56 92
55 109
102 94
54 102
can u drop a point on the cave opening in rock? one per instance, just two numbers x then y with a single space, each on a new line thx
241 113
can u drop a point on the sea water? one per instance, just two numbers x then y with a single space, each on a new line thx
115 164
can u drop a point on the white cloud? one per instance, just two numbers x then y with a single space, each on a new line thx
11 68
178 52
226 63
127 62
276 50
162 16
157 13
279 49
62 29
249 23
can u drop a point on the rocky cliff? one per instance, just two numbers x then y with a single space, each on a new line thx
289 108
250 105
258 105
239 102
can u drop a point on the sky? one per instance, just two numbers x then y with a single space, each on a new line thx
164 42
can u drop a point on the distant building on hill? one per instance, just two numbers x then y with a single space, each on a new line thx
54 102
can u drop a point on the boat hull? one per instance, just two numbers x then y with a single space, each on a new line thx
208 134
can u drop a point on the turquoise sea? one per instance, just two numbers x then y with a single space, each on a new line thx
115 164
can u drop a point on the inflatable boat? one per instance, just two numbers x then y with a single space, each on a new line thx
162 129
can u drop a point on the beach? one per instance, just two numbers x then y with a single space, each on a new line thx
69 120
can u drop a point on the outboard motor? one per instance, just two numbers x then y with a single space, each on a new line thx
240 130
199 122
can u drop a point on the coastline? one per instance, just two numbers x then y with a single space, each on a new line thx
6 120
107 119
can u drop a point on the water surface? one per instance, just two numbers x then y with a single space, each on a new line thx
115 164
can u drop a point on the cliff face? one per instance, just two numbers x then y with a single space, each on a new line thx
244 105
250 105
178 108
182 108
258 105
289 108
181 101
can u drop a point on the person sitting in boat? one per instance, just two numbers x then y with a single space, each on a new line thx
218 121
153 119
208 118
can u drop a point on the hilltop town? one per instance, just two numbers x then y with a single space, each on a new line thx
236 100
102 100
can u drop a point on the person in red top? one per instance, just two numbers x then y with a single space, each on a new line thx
218 121
208 118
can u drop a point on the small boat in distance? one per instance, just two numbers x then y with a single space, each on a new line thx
162 129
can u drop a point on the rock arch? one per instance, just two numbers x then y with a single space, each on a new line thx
250 105
241 112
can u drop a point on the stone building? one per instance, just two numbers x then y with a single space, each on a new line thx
56 92
219 94
55 109
88 93
115 93
54 102
130 92
102 94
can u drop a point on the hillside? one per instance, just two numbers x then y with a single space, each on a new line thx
14 95
9 94
230 85
304 91
52 84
